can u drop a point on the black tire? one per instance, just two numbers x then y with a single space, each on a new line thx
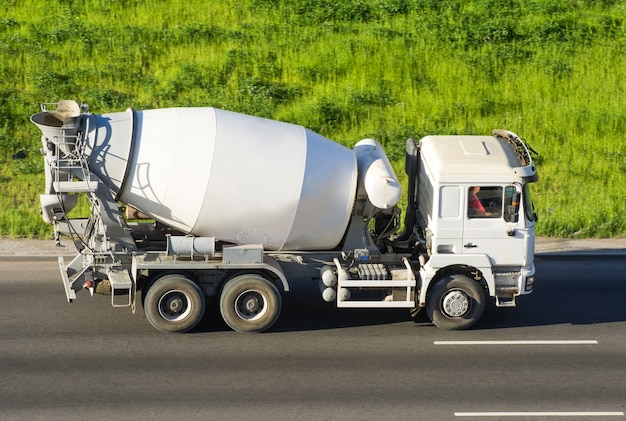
250 303
174 304
456 302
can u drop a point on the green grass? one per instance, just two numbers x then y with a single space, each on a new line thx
552 71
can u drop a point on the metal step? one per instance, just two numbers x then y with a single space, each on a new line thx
121 285
505 301
75 186
505 295
364 284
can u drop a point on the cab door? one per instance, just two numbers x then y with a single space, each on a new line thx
493 225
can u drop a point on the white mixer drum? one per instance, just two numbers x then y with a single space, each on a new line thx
239 178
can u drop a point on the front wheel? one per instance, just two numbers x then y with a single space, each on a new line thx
174 304
455 303
250 303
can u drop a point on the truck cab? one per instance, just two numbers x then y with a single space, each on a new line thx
473 202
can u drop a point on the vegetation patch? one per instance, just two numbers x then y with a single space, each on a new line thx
550 70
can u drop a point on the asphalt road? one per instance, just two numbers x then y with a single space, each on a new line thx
87 360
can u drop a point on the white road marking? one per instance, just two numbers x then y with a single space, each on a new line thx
531 414
539 414
529 342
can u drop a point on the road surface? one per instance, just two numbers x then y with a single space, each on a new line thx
560 354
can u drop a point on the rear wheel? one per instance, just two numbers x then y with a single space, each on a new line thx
250 303
455 303
174 304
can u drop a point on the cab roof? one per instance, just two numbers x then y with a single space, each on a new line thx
478 158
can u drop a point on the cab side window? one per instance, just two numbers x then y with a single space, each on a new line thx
484 202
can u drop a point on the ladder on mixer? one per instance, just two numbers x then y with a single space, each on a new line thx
70 168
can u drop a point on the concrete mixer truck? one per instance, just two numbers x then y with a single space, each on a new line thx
242 209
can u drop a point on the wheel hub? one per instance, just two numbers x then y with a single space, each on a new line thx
455 303
174 305
250 305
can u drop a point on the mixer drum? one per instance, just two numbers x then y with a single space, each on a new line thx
239 178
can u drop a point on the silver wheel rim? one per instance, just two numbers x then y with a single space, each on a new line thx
455 303
174 305
250 305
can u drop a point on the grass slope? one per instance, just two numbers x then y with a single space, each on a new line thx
552 71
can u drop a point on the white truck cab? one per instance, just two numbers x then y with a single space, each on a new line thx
474 203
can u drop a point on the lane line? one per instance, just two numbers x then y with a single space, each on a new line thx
539 414
529 342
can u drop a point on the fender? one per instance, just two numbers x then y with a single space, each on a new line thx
437 262
269 264
273 266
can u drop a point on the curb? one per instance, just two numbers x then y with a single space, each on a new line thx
47 250
12 250
588 246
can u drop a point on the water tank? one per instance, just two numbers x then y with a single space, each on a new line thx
376 175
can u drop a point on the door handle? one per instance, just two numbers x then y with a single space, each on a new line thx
470 245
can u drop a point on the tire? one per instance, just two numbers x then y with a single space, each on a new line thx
250 303
455 303
174 304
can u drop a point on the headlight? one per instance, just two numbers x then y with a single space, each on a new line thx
529 283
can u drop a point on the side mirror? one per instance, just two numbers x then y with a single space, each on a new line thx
512 205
